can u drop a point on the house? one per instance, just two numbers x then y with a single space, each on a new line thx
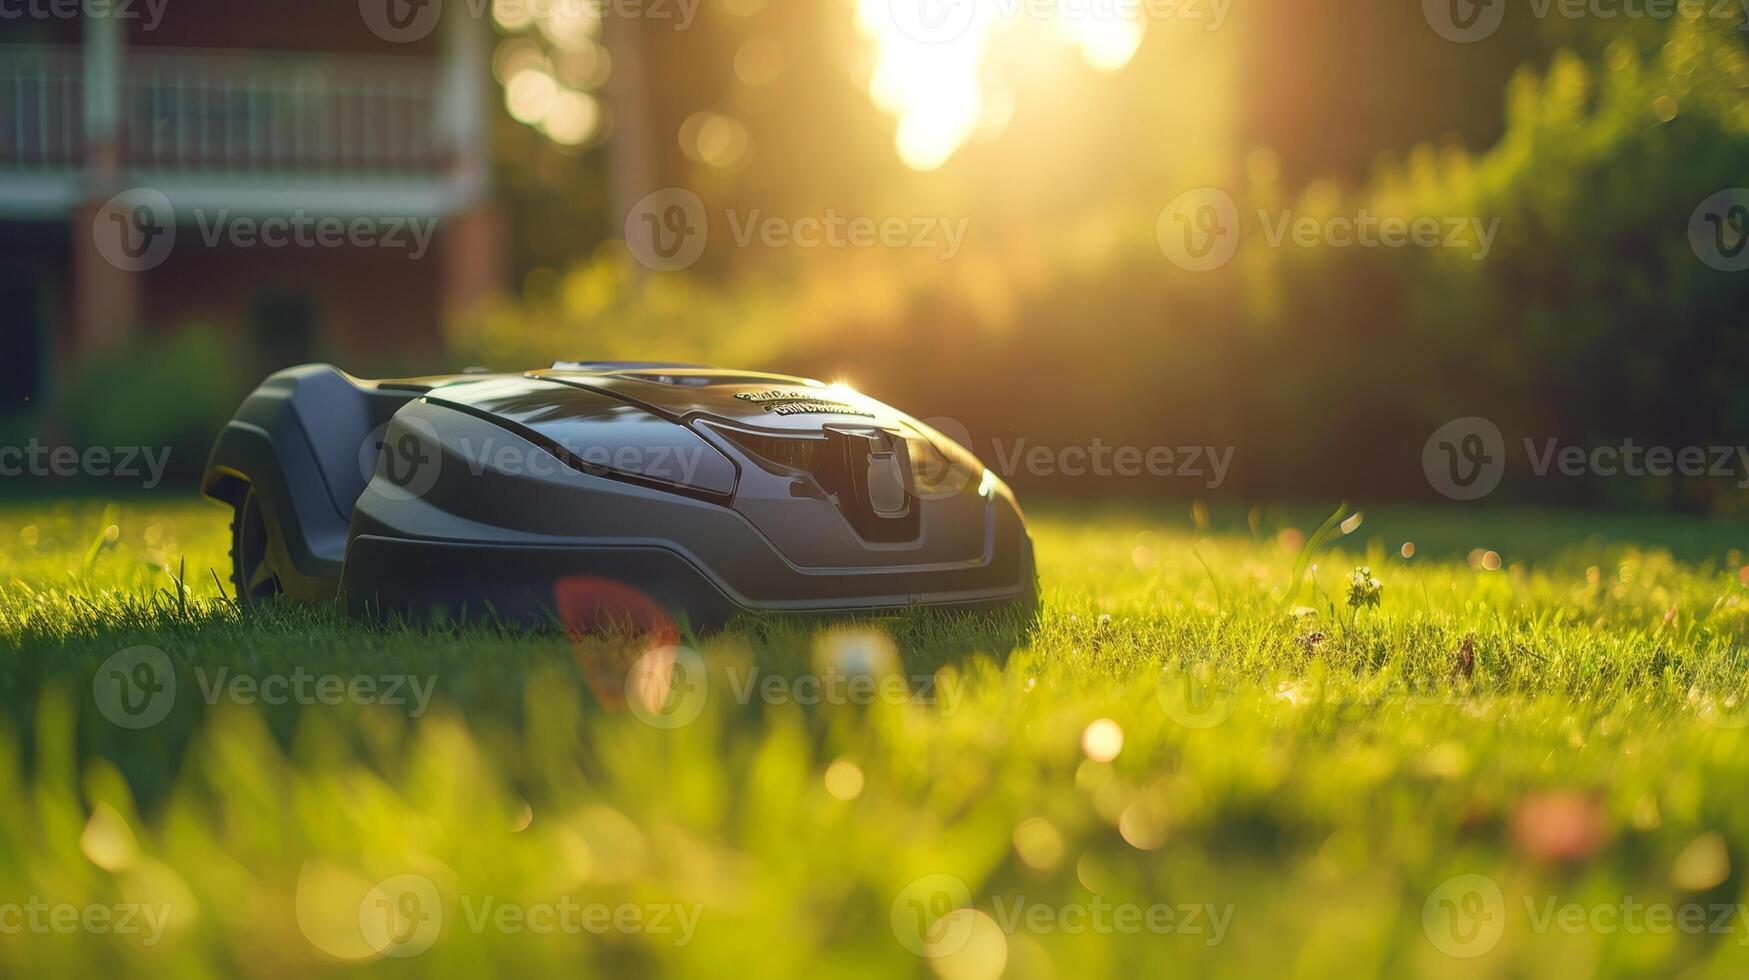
267 165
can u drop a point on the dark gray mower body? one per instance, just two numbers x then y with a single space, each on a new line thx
706 491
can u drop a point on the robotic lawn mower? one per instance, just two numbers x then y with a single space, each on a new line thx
696 491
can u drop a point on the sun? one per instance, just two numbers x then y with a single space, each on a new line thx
929 69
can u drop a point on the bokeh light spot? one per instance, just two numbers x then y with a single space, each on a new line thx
844 780
982 956
529 95
1102 740
1038 843
759 62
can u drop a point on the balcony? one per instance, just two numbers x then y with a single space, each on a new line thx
42 98
256 132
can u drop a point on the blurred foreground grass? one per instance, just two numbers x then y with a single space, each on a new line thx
1528 758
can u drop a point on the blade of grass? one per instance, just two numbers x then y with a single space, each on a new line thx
1305 558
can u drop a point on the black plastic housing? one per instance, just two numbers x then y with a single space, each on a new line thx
709 492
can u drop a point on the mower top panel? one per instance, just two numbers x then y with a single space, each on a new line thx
762 401
593 432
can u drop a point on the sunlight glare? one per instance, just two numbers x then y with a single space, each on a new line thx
933 88
572 118
530 95
936 87
1108 38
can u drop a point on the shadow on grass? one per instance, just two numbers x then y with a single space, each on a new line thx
142 677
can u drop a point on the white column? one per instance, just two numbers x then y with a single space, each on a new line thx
104 41
466 57
473 237
106 299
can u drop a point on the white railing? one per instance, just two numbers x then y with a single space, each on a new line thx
42 108
251 112
223 112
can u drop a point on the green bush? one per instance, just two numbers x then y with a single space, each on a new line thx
173 393
1590 320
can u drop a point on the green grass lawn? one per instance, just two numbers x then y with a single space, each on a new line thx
1528 758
